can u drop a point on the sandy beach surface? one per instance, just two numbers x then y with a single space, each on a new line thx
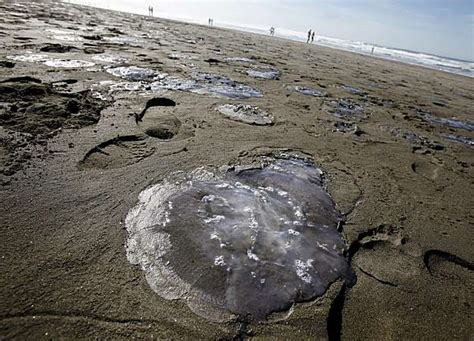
96 106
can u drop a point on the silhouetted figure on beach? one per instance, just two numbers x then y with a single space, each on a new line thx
373 48
312 37
309 36
211 22
272 31
150 11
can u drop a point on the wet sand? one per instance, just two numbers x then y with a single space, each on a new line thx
79 143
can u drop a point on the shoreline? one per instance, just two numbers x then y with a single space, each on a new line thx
243 29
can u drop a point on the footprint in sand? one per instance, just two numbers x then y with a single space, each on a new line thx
157 120
118 152
376 254
387 264
426 169
160 126
442 264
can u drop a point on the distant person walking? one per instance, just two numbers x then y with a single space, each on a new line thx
150 11
309 36
272 31
312 37
373 48
211 22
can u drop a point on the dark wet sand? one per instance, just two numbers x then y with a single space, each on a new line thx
69 178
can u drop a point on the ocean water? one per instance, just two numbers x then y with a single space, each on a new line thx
179 11
460 67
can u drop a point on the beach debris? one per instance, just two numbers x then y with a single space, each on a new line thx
307 91
239 243
246 113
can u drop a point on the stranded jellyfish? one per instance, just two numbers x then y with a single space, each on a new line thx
246 113
239 243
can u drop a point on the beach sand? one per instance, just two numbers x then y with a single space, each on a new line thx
73 160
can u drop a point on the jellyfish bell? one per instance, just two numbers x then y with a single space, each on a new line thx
246 242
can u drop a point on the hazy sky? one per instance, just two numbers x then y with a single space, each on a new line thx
442 27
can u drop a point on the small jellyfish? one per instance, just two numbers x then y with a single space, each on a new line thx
132 73
265 73
246 114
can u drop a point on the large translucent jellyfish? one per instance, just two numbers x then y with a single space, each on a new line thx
221 86
241 243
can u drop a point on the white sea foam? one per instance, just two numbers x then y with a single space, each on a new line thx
460 67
